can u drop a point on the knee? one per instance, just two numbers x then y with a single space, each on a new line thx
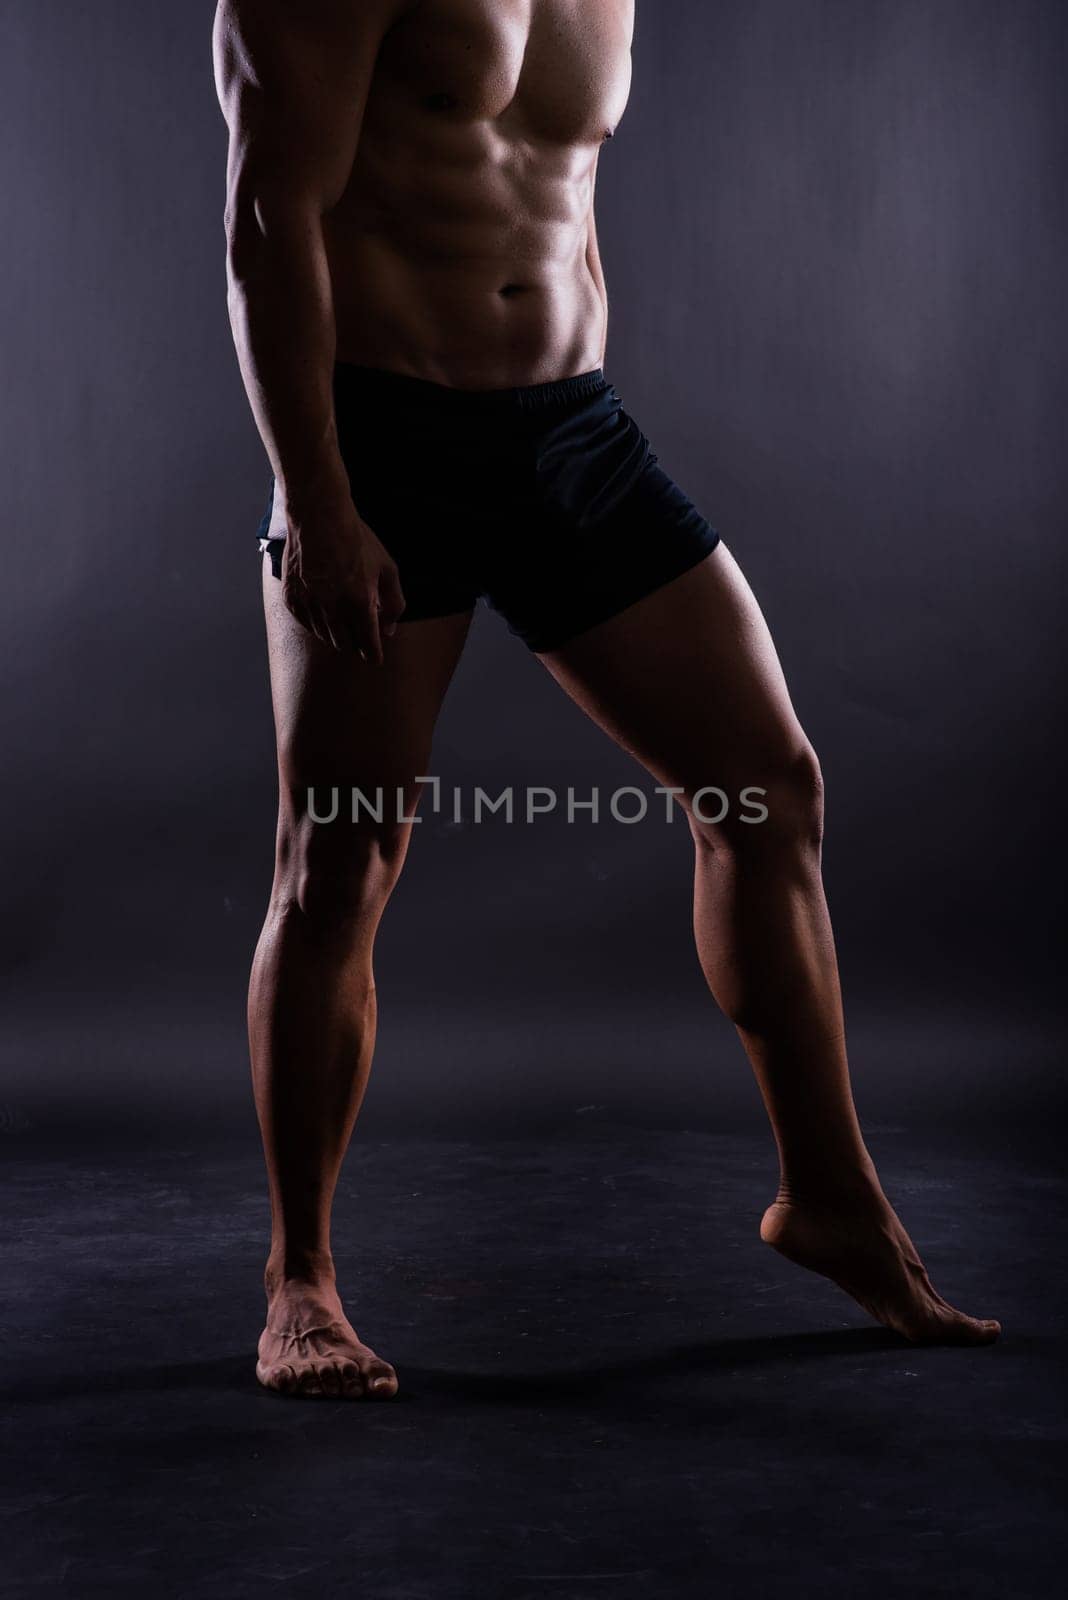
336 875
795 800
777 805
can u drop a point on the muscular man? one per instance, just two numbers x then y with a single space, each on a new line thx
419 313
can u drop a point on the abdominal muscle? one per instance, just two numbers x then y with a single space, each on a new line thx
459 254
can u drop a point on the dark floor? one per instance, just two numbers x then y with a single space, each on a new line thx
609 1387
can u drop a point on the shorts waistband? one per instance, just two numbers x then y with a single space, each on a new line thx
351 378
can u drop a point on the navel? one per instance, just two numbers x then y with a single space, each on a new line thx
441 101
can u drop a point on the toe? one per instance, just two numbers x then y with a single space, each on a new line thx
953 1327
308 1382
280 1378
351 1380
329 1378
986 1330
380 1380
971 1330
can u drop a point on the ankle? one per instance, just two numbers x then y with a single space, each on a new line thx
855 1187
312 1269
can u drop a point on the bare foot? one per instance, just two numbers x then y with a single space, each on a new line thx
863 1248
309 1347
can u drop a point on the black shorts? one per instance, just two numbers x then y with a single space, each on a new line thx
547 500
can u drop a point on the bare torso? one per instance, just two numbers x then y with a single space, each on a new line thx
463 248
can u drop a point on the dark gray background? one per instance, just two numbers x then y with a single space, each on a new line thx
834 236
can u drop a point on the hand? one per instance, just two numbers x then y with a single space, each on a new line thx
339 581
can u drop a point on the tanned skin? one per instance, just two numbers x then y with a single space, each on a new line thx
410 186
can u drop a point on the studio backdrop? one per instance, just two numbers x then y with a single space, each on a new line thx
834 241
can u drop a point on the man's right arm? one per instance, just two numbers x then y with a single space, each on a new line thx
292 78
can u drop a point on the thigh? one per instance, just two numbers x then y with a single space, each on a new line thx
346 722
689 682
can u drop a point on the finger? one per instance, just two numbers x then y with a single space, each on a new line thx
356 635
375 637
390 600
296 603
304 609
333 634
365 630
324 628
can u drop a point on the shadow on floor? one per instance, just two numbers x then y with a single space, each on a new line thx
233 1373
